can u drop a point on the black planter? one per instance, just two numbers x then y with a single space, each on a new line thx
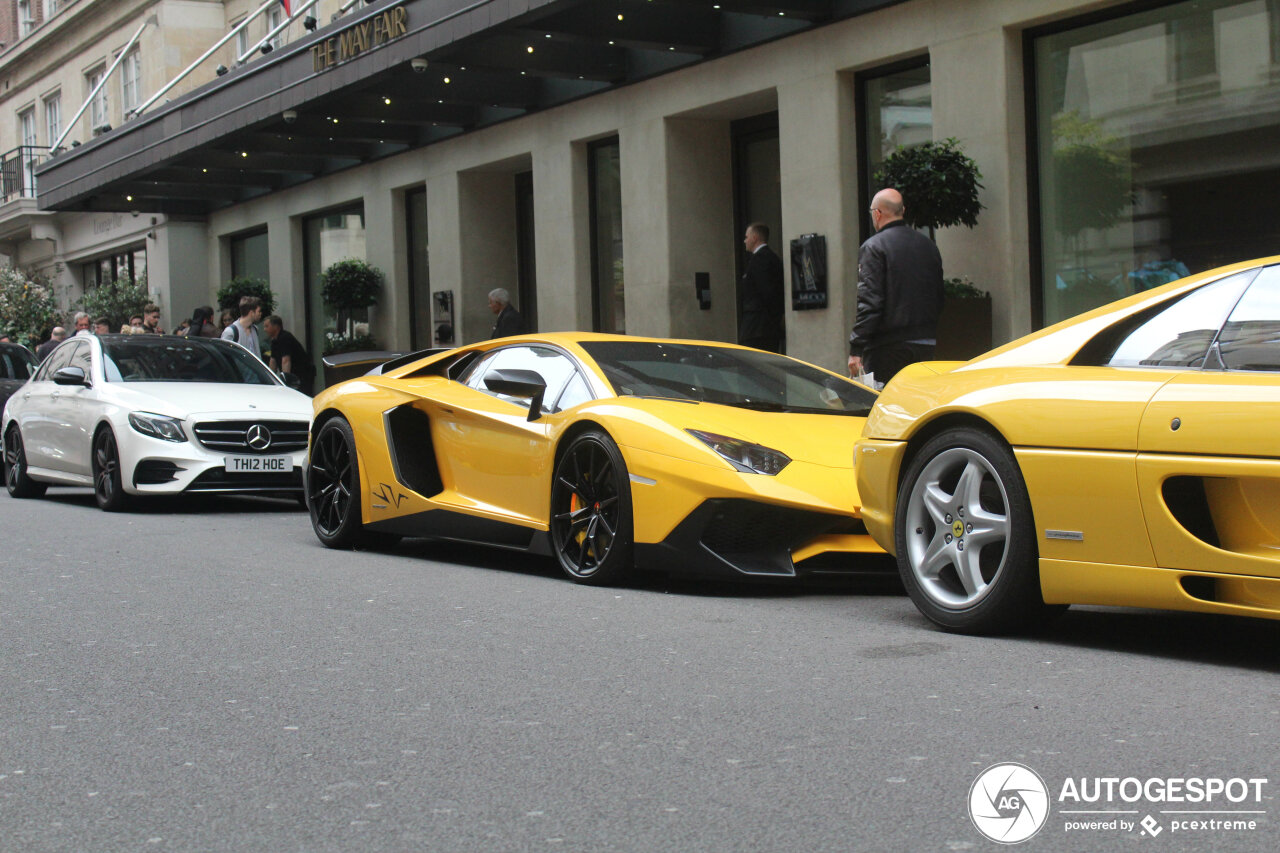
964 329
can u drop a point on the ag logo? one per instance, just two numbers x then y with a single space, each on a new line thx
1008 803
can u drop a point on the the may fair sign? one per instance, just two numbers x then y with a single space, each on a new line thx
358 38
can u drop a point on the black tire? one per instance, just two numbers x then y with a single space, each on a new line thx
965 536
108 488
333 491
591 523
16 478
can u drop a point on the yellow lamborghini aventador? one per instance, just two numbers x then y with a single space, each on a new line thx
1124 457
605 451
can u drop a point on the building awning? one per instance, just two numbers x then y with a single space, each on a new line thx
358 90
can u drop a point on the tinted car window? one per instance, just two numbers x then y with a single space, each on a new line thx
1179 333
16 363
134 358
732 377
1250 340
58 359
82 358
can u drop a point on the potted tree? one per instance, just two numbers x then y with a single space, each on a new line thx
230 294
940 185
349 287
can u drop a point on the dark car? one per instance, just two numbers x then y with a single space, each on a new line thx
17 363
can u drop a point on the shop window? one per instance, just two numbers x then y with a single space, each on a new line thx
1152 157
249 256
607 290
895 109
421 329
123 265
327 238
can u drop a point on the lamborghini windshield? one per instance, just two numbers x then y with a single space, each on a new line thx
733 377
140 358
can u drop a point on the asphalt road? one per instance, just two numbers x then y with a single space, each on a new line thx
204 676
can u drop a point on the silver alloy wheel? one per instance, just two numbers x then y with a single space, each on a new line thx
957 528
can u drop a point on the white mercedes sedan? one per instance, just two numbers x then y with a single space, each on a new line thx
136 415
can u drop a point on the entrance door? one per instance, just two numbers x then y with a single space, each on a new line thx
757 186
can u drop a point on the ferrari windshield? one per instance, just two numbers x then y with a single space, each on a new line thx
733 377
139 358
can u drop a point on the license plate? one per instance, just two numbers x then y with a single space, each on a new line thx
257 464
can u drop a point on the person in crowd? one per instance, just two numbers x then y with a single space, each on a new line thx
243 331
763 323
899 294
151 320
509 320
81 320
102 326
288 355
57 336
202 325
226 318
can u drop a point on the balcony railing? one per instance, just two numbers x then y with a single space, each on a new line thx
18 171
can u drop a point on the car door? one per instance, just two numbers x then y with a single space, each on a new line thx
1209 449
76 413
37 416
492 457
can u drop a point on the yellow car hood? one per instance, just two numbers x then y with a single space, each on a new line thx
817 439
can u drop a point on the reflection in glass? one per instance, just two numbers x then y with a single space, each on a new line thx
1154 159
899 112
249 258
327 239
606 238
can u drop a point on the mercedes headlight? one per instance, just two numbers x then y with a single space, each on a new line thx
743 455
157 426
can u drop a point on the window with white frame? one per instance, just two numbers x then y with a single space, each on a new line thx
98 106
274 17
242 40
130 80
27 120
26 20
50 8
53 117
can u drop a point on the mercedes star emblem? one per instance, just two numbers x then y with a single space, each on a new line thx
258 437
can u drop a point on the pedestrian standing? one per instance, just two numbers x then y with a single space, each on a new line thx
899 294
288 355
763 323
509 320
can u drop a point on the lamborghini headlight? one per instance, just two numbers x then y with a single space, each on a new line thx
157 426
743 455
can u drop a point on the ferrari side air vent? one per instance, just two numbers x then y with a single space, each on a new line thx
412 453
1187 502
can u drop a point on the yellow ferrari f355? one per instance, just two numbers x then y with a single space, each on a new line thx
1129 456
607 452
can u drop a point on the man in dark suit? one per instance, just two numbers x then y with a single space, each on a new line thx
509 320
762 298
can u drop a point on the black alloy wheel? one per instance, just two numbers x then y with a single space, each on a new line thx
333 490
16 478
591 524
107 487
